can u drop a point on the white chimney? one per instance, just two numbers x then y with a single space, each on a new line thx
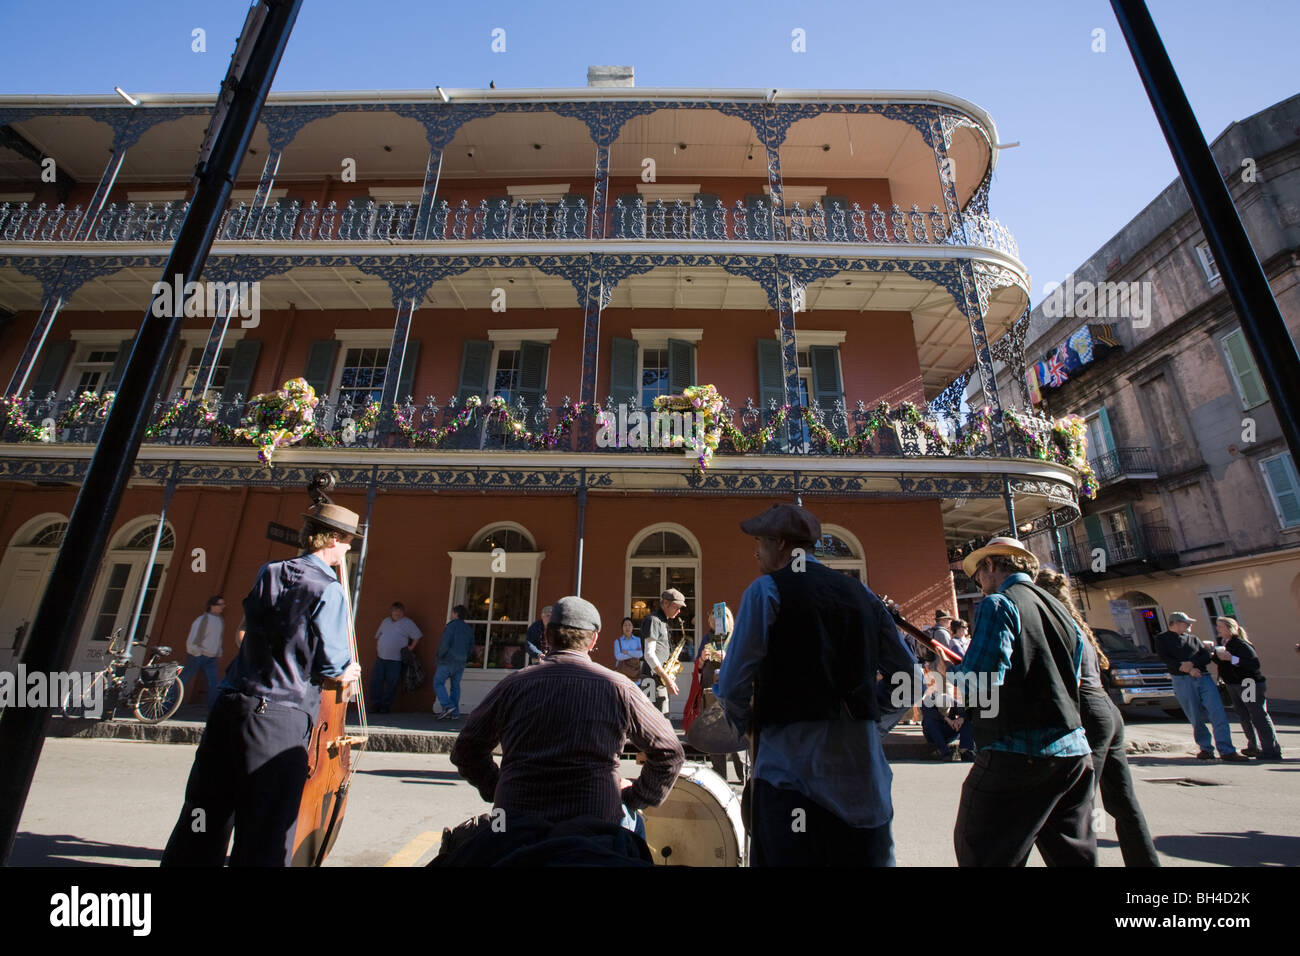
611 76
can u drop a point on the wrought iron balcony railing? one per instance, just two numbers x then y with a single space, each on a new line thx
857 431
1121 463
1149 543
291 221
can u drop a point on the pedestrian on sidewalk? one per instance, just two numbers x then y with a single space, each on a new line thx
1240 669
1188 660
1104 725
396 633
203 649
535 639
1032 780
453 653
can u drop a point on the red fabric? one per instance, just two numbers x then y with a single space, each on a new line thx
694 700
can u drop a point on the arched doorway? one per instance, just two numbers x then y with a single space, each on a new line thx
23 574
117 591
495 577
840 549
1145 617
660 557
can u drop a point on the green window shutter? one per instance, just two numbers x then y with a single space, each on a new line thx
47 379
171 373
623 386
771 382
320 364
1096 537
625 227
498 217
681 365
1285 486
475 366
827 388
119 366
1249 384
242 364
1104 420
701 224
758 213
828 207
532 372
406 379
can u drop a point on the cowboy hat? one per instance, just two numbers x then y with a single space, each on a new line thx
995 546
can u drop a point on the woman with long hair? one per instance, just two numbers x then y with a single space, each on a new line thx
1104 725
1239 669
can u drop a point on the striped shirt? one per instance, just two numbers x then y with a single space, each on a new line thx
561 726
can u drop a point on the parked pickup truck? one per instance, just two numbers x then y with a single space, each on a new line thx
1136 675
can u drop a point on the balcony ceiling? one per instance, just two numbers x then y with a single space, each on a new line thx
391 149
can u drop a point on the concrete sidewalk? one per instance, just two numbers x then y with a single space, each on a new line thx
424 733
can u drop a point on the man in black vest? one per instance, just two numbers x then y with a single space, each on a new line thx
1032 780
807 646
251 764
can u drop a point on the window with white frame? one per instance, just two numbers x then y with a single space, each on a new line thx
654 375
1284 487
93 360
1245 373
839 549
92 370
500 603
1208 264
1218 604
654 366
505 374
360 376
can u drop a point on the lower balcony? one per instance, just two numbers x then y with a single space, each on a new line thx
1150 548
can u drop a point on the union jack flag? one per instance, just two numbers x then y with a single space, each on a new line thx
1056 374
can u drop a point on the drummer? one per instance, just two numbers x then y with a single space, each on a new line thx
561 726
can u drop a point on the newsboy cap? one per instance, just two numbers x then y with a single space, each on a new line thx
335 518
1178 617
674 595
785 521
575 612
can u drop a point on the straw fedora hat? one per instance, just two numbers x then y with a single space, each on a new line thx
336 518
994 547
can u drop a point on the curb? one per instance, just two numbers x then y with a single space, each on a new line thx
898 746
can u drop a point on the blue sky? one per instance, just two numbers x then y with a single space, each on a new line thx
1091 154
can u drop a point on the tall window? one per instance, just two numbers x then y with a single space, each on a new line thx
220 372
1218 604
92 371
654 375
362 380
660 560
505 381
840 550
1245 373
1284 486
1210 267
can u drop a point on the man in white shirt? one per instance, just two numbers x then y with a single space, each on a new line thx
395 634
204 648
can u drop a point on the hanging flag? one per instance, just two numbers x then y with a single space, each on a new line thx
1031 379
1081 344
1056 371
1104 335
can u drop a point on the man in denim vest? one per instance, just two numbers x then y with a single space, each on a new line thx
251 765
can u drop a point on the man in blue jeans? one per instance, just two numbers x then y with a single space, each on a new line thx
396 633
1186 657
203 647
453 652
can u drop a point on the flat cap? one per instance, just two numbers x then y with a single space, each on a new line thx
575 612
1178 617
674 595
785 521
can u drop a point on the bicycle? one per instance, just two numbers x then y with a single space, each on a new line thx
155 696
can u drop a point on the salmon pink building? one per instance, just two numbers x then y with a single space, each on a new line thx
473 283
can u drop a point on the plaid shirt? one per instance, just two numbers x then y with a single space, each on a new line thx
561 726
997 629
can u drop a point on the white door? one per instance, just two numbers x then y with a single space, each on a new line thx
113 606
22 581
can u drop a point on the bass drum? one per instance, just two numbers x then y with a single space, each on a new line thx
699 824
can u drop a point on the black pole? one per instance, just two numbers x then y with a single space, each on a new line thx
54 632
1010 502
1261 321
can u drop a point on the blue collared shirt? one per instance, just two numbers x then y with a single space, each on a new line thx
997 626
332 622
838 763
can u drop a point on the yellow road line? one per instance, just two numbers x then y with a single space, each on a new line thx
408 854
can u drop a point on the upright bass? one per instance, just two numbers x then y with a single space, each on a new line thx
330 759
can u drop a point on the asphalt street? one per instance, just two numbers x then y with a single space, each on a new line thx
112 803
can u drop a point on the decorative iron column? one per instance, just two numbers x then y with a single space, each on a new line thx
100 199
783 287
772 138
600 189
972 304
595 298
429 194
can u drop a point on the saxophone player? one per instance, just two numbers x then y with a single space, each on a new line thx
657 645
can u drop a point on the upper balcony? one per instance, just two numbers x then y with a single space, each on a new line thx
523 221
1123 464
1150 548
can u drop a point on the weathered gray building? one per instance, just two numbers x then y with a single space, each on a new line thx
1199 502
